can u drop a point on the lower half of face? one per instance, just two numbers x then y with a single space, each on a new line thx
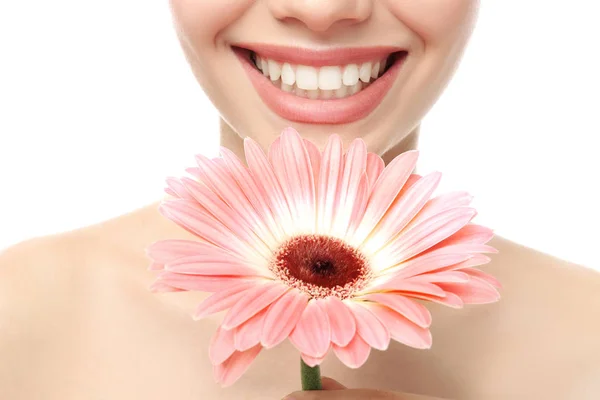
359 68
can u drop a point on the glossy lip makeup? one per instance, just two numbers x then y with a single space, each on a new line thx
336 86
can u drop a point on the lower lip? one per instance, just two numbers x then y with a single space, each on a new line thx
334 111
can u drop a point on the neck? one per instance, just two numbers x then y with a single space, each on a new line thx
231 140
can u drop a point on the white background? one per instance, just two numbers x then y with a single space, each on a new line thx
97 106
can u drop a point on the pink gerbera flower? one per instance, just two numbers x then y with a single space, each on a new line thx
328 249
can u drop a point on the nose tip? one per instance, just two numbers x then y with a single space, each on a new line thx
321 15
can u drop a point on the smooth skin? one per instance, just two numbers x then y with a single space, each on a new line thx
78 322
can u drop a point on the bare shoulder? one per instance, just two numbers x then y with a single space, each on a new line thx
42 272
550 316
548 277
35 277
37 265
46 287
46 272
36 284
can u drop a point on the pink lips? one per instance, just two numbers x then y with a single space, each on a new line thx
332 111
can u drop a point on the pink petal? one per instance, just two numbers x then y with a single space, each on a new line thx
177 189
293 169
415 312
265 178
247 335
274 152
263 220
329 182
412 179
165 251
156 266
474 261
375 167
202 283
282 317
461 244
442 203
401 329
221 346
469 234
402 211
315 158
384 191
355 354
341 321
222 300
425 262
404 285
418 238
312 361
483 276
234 219
360 204
190 217
209 264
442 277
256 300
170 192
312 334
450 299
217 176
371 329
195 172
476 291
354 169
461 248
235 366
219 162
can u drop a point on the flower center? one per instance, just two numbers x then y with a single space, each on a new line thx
321 266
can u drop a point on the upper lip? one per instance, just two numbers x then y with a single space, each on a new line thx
320 57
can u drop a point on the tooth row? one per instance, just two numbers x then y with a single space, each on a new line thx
327 78
341 92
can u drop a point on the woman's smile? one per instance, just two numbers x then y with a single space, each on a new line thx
360 68
334 86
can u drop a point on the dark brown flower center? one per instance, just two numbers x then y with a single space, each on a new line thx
323 268
320 265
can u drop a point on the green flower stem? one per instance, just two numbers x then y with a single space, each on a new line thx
311 376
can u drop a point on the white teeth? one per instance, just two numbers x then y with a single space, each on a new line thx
288 76
365 72
327 82
341 92
307 77
350 74
330 78
274 70
375 70
264 66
